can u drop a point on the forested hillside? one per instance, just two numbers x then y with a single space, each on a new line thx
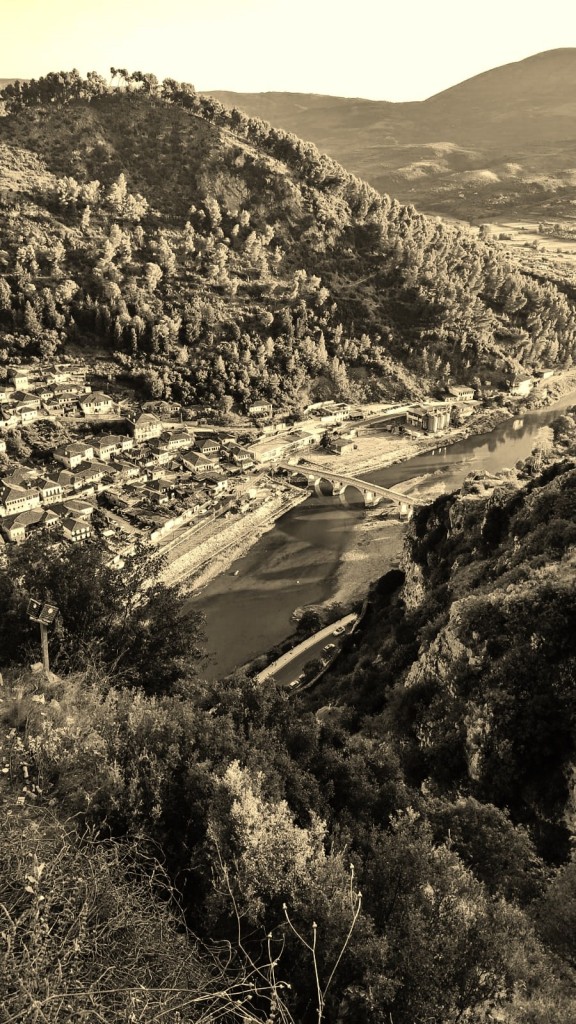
219 258
392 846
396 847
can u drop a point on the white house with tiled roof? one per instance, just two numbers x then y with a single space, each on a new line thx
111 444
95 404
19 376
16 527
74 453
50 489
18 499
145 426
76 530
207 445
196 462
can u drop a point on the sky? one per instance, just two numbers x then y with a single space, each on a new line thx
406 50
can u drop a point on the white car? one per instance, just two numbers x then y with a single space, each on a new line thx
338 631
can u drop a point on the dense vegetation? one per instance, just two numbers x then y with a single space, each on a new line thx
416 836
220 258
402 857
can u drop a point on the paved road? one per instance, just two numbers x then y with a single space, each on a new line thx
300 649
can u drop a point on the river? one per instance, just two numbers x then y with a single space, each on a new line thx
296 563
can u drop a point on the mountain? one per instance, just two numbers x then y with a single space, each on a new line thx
500 144
218 257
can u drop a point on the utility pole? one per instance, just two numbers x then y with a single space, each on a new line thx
45 615
44 642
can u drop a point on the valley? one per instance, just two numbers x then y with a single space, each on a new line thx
292 466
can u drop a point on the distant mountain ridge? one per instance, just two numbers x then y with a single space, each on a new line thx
502 142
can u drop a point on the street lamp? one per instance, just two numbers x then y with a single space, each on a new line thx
45 615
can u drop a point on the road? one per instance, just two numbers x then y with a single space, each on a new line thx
307 647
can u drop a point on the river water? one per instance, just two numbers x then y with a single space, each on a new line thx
296 563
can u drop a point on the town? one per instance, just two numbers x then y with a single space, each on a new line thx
81 459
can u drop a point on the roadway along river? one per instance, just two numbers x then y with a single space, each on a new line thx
296 563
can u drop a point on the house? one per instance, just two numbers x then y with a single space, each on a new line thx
429 418
298 439
5 393
161 453
26 414
173 439
76 530
26 399
19 376
208 446
240 456
145 426
341 445
269 450
544 374
88 473
217 484
15 527
334 413
95 404
461 392
74 453
21 476
521 386
260 409
107 445
18 499
78 507
158 491
197 463
66 401
123 469
50 490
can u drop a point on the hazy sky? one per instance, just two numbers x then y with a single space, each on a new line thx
409 49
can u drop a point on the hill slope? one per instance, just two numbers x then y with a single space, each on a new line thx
498 144
236 260
438 782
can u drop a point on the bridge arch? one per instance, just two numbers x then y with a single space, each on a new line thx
338 483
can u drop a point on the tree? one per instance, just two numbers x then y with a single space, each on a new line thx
310 622
123 620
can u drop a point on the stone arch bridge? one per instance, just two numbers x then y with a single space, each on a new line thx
371 493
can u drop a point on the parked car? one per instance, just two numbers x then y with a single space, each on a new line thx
339 630
329 648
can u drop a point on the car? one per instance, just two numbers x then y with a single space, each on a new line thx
329 648
295 682
339 630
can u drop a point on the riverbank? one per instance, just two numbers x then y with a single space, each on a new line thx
211 552
377 450
376 548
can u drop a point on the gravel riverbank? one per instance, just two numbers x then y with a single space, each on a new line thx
220 544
